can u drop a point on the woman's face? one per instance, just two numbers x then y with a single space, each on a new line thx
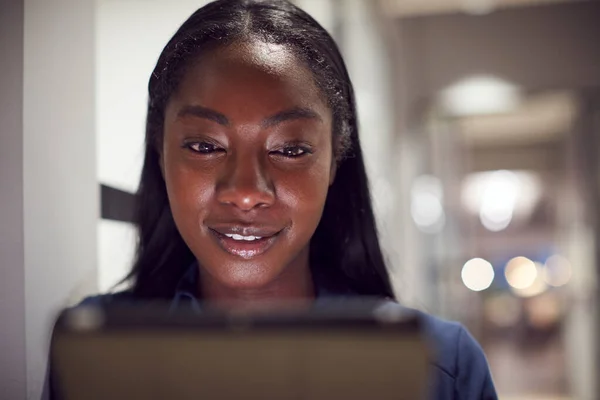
247 159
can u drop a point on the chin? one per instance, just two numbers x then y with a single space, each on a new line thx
249 277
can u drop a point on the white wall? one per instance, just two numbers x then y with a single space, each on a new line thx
323 11
116 250
130 36
60 190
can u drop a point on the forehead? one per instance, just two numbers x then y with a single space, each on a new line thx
251 77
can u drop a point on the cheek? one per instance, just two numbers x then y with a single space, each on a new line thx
189 193
304 195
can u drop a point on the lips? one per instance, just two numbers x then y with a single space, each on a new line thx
245 241
239 229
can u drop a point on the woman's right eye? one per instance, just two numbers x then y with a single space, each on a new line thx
203 147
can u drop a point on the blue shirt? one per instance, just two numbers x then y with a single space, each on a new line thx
459 367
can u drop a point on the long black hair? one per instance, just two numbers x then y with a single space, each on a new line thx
345 247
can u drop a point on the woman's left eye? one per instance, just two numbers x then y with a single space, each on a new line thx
293 151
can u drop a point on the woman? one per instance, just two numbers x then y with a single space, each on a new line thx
253 187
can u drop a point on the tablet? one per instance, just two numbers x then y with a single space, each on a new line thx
355 350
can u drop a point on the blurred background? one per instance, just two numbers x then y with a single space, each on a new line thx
481 126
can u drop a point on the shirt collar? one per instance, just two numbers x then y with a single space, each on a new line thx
186 289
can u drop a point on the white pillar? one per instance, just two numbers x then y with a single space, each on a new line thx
59 186
12 273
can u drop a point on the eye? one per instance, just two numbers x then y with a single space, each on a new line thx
203 147
293 151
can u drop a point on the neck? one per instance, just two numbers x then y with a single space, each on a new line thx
292 288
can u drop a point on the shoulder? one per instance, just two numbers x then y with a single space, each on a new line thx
118 298
448 340
460 365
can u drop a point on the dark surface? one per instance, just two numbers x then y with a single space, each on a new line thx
117 205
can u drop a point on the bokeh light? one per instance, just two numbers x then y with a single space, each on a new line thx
501 197
480 95
537 287
557 271
477 274
499 200
520 272
426 205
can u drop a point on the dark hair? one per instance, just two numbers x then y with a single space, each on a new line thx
345 247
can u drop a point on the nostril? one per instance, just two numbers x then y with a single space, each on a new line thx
245 186
246 198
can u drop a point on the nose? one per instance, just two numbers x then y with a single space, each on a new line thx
245 185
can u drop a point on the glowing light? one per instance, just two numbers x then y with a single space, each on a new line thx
479 7
426 210
520 272
477 274
537 287
426 204
479 95
557 271
499 200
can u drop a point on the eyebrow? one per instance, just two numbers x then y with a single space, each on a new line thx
203 112
290 115
295 113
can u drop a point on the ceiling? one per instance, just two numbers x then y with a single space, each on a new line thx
540 118
412 8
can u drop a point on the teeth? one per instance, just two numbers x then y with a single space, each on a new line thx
240 237
251 238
